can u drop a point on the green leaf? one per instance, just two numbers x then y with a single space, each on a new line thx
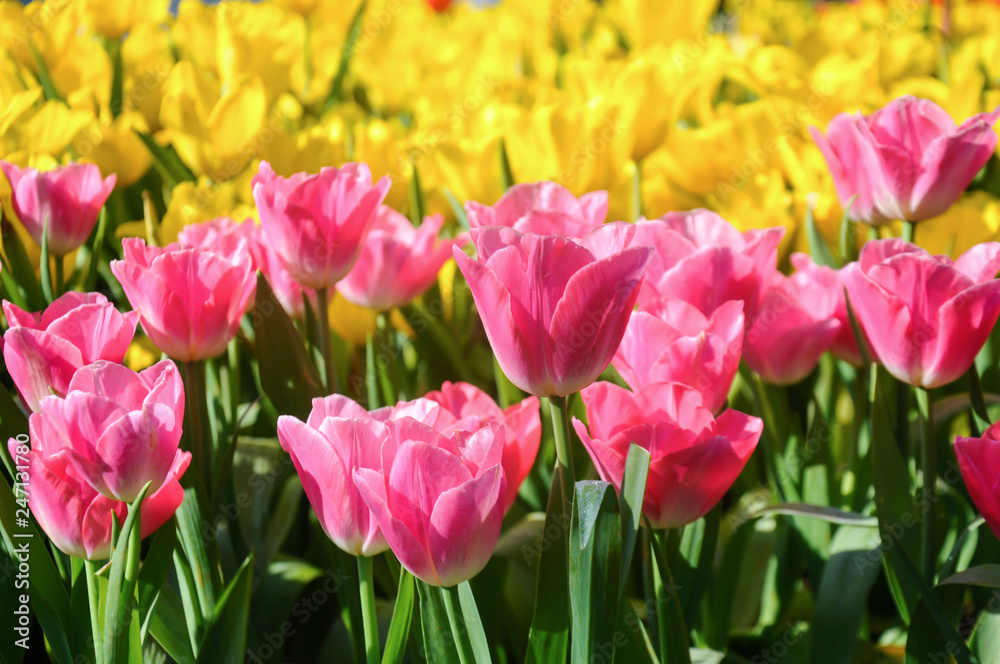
44 77
225 639
416 196
630 505
166 161
337 87
281 587
167 626
287 374
120 603
848 243
154 571
674 642
456 207
45 265
399 628
817 243
842 598
436 632
983 576
985 640
95 250
594 569
822 512
506 174
193 546
21 268
548 640
698 545
472 624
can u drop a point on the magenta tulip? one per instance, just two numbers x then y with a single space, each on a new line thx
794 326
189 300
43 350
438 500
398 262
75 517
908 160
68 199
979 461
681 345
120 429
554 308
695 456
542 208
473 409
926 317
338 437
318 223
701 258
827 299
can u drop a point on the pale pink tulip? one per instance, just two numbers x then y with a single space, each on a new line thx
338 437
682 345
398 262
43 350
554 308
542 208
979 461
695 456
438 500
190 301
908 160
926 317
68 198
701 258
317 223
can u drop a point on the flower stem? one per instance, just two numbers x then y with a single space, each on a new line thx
458 631
368 614
194 396
928 467
564 452
323 316
909 231
58 285
90 571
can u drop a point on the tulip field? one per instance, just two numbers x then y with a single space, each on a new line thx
500 331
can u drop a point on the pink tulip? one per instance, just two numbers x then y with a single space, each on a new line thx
398 262
318 223
701 258
43 350
979 461
554 308
439 500
338 437
68 198
681 345
542 208
222 235
794 326
827 299
76 517
695 457
473 409
189 300
908 160
120 429
926 317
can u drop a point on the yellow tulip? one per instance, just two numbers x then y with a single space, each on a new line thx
191 203
115 147
259 41
645 22
975 218
113 18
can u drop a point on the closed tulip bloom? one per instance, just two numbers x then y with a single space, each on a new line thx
398 262
542 208
189 300
74 516
794 326
222 235
926 317
701 258
439 500
681 345
338 437
908 160
979 461
522 425
68 198
695 457
554 308
43 350
120 429
827 298
318 223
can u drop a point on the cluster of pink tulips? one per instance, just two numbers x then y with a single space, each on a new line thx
650 322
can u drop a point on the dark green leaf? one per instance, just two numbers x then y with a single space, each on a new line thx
399 628
21 268
630 505
225 639
456 207
548 640
828 514
817 243
154 571
166 161
506 174
167 626
337 87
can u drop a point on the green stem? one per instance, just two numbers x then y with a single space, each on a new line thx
637 192
194 396
909 231
371 372
90 570
58 285
928 466
368 614
674 640
564 451
387 344
326 343
458 632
